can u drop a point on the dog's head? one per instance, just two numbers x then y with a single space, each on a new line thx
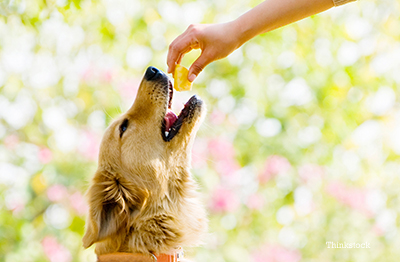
138 154
149 130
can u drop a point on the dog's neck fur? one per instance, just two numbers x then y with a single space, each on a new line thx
170 214
143 198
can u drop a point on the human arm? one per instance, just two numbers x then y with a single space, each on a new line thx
217 41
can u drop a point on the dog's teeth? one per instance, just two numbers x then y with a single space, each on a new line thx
166 133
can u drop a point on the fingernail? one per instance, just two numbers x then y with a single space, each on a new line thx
192 77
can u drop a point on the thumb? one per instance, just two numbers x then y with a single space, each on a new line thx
201 62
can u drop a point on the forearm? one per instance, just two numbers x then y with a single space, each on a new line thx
272 14
217 41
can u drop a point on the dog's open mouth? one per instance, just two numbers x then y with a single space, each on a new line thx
172 123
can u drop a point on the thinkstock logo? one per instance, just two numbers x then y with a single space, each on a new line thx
331 244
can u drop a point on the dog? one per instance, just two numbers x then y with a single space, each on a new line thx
142 198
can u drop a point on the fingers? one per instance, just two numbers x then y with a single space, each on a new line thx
201 62
174 54
180 46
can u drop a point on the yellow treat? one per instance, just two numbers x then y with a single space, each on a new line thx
181 82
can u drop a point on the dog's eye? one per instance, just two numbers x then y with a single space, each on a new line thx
123 127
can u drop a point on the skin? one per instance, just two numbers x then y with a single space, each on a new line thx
217 41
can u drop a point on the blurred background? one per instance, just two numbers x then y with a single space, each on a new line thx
300 146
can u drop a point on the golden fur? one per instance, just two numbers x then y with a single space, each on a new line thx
142 197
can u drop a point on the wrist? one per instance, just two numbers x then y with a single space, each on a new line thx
243 30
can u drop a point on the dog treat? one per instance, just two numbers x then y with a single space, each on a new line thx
181 82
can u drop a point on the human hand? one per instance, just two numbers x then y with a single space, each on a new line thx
216 41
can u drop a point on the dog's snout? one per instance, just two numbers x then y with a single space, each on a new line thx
152 73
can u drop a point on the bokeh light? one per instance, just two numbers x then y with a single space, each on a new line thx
300 145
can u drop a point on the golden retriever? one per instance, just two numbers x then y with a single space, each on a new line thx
142 198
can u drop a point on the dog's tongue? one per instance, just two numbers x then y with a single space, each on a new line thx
170 119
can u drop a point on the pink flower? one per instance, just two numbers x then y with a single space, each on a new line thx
107 76
78 203
217 117
221 149
89 144
45 155
255 201
11 141
54 251
276 253
224 200
223 155
15 202
88 74
226 167
377 230
311 172
352 197
199 153
57 193
128 89
274 165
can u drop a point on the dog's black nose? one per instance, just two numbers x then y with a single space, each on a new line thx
152 73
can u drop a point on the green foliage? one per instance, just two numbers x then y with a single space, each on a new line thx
300 145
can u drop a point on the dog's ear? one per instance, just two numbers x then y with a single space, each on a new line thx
113 203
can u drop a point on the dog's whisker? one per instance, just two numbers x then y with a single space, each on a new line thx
120 108
105 111
208 128
143 198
